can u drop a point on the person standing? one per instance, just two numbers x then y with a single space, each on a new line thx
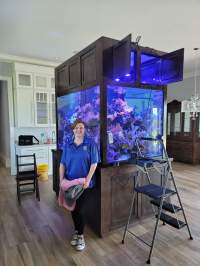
79 160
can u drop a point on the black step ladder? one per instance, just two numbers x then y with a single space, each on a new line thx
159 194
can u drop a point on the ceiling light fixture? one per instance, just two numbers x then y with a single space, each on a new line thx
192 106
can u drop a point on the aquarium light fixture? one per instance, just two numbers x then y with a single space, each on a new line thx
127 75
117 79
192 106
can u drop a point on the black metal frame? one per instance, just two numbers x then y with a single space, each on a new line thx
159 193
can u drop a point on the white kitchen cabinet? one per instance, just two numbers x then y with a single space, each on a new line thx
24 107
42 152
45 113
35 95
41 81
44 82
52 82
41 100
52 109
24 80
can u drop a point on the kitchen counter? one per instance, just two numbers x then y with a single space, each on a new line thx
43 153
36 145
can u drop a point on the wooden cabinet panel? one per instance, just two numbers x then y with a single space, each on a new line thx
121 195
88 67
74 73
184 146
180 150
56 156
62 80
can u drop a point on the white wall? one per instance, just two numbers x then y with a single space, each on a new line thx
5 125
182 90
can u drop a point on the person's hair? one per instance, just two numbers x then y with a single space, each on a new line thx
78 121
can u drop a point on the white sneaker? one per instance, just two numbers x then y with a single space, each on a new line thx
80 243
74 239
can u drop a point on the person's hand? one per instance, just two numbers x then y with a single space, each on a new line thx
86 184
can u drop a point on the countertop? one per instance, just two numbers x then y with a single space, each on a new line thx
35 145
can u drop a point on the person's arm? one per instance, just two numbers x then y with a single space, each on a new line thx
61 172
90 174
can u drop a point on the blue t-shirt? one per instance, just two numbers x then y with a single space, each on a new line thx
77 159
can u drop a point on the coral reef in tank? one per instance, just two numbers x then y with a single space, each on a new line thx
84 104
133 113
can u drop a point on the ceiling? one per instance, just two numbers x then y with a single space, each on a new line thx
55 30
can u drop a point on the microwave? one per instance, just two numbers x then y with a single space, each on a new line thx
27 140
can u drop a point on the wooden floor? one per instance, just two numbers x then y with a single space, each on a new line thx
39 233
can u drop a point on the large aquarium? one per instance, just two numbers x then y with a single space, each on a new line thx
133 113
84 104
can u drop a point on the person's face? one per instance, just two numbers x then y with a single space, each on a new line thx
79 130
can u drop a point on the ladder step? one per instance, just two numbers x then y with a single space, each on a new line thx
26 190
154 191
166 206
144 163
171 221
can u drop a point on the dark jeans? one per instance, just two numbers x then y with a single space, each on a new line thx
78 214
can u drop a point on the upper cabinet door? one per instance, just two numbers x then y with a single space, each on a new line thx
62 81
74 73
122 58
88 67
41 82
52 83
24 80
162 70
172 67
41 108
24 104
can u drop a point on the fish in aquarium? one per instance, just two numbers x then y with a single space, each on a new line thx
85 105
132 113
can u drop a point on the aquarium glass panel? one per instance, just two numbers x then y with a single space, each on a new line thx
84 104
150 69
132 113
162 70
131 75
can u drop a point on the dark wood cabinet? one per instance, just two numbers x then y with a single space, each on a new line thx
108 204
56 155
88 67
183 135
74 73
62 80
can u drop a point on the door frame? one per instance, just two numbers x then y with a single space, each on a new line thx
11 164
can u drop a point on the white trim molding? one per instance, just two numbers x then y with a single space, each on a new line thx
13 58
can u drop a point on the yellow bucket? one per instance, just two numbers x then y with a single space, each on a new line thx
42 171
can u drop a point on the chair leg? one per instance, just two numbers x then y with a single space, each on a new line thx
18 193
37 189
34 186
